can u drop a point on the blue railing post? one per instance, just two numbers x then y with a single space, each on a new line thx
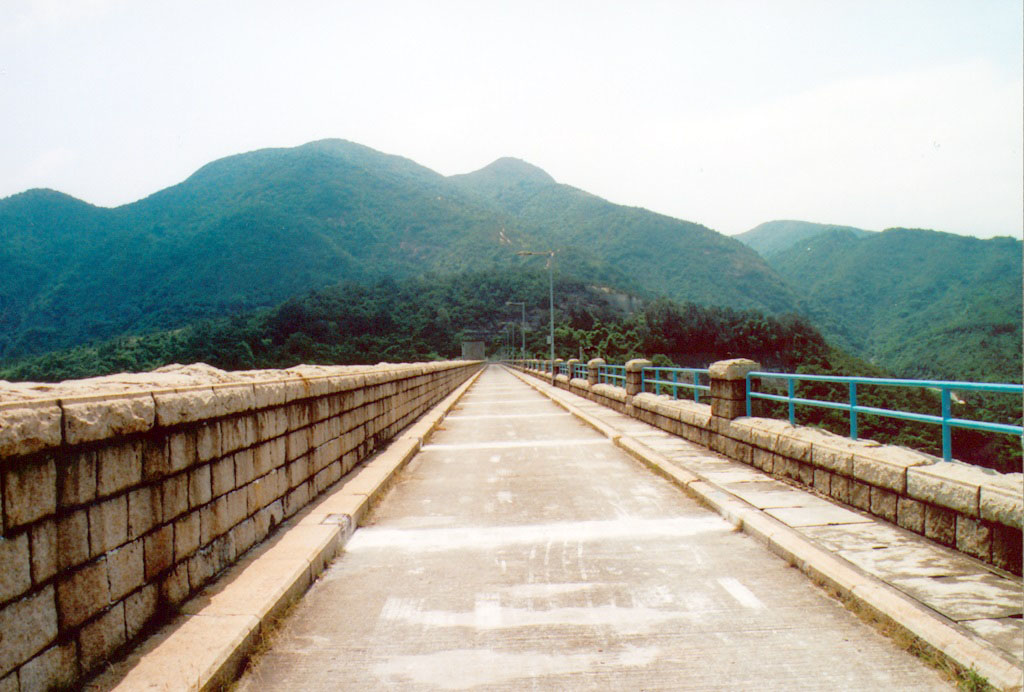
947 438
853 410
792 407
675 384
696 383
749 412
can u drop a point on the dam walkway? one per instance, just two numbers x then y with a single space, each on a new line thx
522 549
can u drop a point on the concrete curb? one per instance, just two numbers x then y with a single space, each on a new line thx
206 647
819 564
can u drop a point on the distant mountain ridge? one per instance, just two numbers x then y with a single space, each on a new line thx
253 229
920 302
771 238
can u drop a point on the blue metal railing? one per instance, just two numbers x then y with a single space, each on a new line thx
674 378
579 370
612 374
946 419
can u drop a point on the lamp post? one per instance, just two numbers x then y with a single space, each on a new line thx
522 325
551 300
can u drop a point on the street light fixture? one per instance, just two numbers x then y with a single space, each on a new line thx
551 300
523 325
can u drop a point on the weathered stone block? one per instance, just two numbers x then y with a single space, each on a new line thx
269 456
139 609
100 418
298 444
174 496
222 475
119 466
823 481
54 669
201 568
298 472
156 461
952 485
200 489
72 539
296 499
208 443
244 468
839 488
158 551
860 495
883 504
244 535
98 640
237 506
1003 501
29 427
267 394
973 537
213 520
15 567
795 444
940 524
728 408
76 480
108 525
910 514
232 399
886 466
237 433
144 510
805 473
271 423
186 405
44 551
762 459
832 453
30 492
181 450
82 593
174 587
125 569
1006 547
186 536
28 626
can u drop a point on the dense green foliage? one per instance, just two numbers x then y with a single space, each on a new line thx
919 303
773 237
252 230
427 318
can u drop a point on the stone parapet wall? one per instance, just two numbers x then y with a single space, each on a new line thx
972 509
118 504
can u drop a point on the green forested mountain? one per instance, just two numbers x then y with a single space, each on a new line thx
254 229
773 237
921 303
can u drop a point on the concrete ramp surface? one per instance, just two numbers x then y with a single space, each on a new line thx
520 550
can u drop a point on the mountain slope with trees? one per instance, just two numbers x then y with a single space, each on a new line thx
251 230
921 303
773 237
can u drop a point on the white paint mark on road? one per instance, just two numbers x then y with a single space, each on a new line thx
503 416
484 537
505 497
512 444
741 593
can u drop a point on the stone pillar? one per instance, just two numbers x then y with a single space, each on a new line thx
729 387
592 370
571 364
634 372
555 367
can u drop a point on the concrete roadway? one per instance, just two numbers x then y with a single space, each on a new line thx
521 550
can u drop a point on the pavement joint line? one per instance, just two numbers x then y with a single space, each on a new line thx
174 649
491 402
937 631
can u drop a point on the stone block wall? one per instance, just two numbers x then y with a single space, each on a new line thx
115 507
972 509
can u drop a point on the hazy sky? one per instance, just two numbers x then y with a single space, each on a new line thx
871 113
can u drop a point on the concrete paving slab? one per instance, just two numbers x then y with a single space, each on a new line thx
860 536
816 516
968 597
911 560
1006 633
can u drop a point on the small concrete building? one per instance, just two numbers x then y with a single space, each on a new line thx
472 350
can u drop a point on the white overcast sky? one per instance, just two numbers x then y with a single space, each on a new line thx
871 113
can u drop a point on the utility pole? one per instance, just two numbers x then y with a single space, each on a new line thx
551 301
522 326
